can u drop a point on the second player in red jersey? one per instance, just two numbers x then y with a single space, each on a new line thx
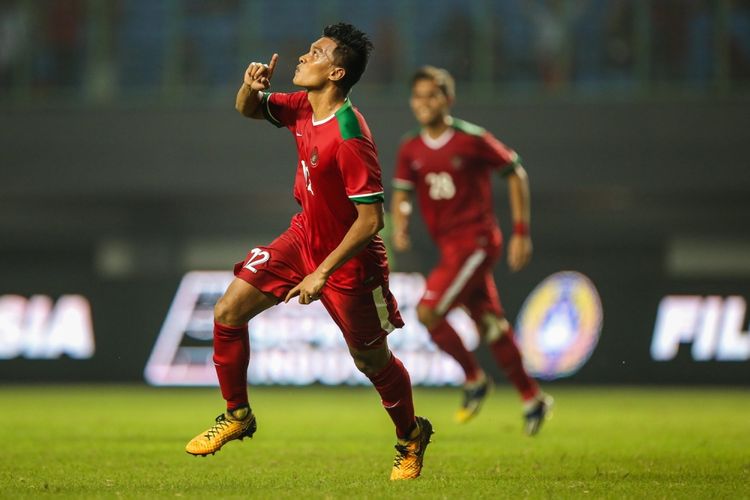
453 175
449 163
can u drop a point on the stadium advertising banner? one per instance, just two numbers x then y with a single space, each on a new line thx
293 344
571 327
77 328
42 328
711 325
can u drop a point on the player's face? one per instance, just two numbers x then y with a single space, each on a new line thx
428 103
316 66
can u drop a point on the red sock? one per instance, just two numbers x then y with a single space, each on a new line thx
231 357
506 354
394 385
448 340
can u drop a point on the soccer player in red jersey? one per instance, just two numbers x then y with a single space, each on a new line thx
448 164
331 251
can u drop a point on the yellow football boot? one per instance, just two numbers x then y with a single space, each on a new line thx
410 452
237 424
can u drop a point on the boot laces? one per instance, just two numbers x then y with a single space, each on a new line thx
216 429
403 452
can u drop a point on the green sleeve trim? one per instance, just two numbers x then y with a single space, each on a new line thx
515 162
368 199
403 185
508 169
266 109
348 123
466 127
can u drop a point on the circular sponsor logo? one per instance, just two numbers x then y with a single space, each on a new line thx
559 325
314 157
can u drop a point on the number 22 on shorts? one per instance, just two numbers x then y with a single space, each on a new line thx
259 257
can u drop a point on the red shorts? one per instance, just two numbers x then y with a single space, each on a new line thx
365 318
463 277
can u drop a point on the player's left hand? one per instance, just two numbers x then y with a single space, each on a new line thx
308 289
519 252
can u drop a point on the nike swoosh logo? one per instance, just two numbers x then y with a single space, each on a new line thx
391 406
298 134
370 343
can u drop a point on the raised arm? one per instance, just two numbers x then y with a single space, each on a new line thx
257 78
400 214
520 247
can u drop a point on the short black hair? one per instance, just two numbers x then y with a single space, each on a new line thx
440 76
352 51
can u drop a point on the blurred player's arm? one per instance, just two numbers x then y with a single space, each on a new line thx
368 223
257 78
400 214
520 247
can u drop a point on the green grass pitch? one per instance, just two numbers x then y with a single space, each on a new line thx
128 441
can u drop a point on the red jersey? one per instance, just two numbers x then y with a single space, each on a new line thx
452 178
337 167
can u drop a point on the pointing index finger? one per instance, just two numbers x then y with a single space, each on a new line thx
272 65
